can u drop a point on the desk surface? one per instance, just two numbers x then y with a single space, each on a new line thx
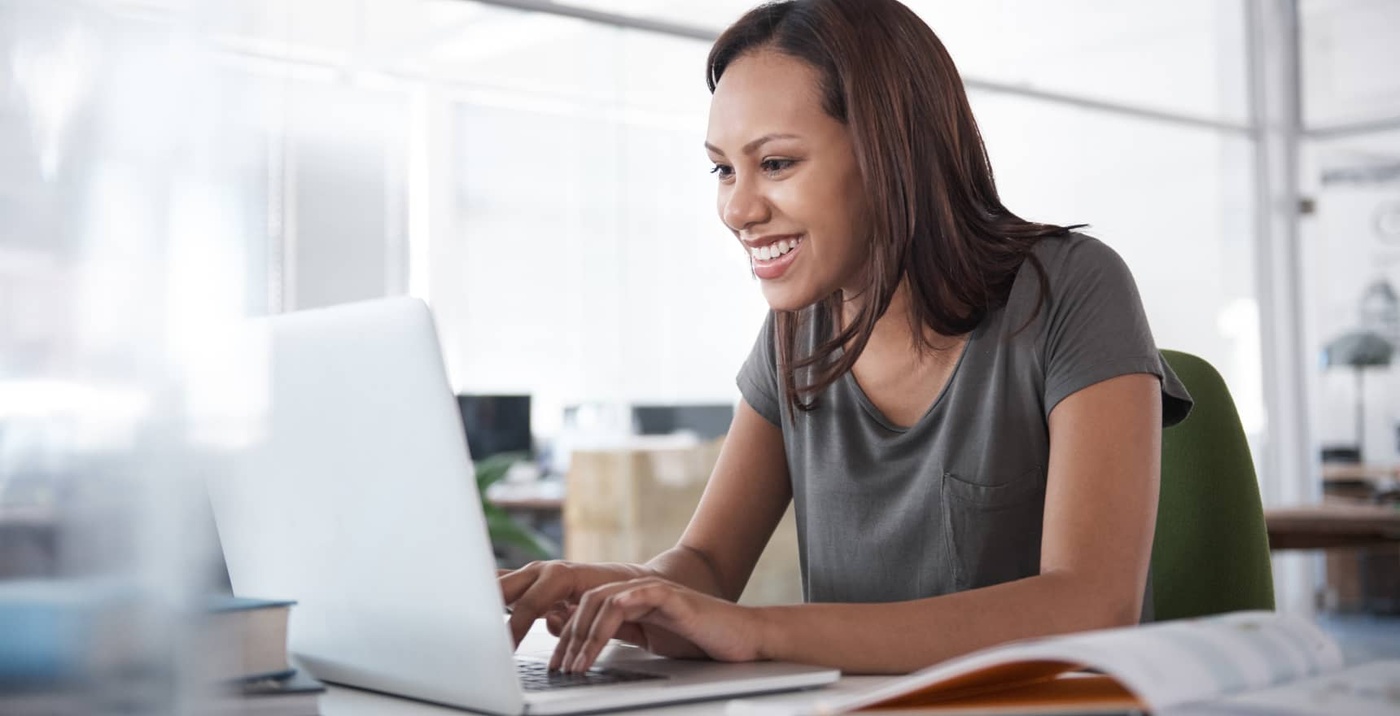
1330 525
345 701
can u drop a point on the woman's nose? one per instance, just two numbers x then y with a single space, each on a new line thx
744 206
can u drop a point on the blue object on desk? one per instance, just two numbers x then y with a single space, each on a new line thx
45 633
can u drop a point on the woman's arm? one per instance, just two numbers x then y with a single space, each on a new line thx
742 504
1100 512
745 499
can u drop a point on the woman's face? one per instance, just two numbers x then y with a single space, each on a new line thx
789 186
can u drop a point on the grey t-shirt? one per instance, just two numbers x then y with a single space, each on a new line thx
955 501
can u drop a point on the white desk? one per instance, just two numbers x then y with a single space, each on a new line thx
345 701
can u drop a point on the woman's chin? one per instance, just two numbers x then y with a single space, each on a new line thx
786 298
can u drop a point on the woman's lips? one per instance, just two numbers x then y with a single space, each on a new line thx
773 268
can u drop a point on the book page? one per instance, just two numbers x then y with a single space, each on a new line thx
1163 665
1371 689
1194 659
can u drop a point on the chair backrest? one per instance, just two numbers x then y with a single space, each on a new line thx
1211 549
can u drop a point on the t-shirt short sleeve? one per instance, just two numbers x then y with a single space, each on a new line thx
1097 329
758 377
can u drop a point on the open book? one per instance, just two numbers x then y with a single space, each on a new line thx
1240 663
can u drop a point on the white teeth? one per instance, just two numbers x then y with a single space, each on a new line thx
774 250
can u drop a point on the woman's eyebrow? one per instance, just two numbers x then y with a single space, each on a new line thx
753 146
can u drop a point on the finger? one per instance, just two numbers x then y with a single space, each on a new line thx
623 606
609 618
556 618
593 632
579 622
516 583
539 598
556 659
570 632
555 621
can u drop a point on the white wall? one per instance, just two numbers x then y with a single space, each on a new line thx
585 261
345 194
1350 51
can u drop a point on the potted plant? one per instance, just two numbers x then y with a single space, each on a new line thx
508 533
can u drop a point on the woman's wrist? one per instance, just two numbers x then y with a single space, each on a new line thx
632 570
769 632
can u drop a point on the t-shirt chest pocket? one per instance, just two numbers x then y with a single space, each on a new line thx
993 530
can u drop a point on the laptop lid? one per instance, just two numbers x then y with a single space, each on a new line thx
358 500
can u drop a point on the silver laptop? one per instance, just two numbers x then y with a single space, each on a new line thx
358 500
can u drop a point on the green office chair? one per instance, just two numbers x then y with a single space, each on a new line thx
1211 549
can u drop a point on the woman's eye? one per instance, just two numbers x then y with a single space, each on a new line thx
773 166
723 171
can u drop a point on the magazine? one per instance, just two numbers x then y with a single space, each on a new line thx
1238 663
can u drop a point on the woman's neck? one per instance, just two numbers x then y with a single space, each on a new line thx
893 331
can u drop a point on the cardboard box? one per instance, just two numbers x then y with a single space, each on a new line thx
629 504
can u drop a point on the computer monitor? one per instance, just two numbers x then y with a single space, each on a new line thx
708 421
496 424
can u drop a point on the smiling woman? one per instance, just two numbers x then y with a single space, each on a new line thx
965 407
797 181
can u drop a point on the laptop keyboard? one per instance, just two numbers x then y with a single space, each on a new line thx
536 676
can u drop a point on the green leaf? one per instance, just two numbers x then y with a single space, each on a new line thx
493 469
505 530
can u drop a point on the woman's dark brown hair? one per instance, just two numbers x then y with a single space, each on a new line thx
935 216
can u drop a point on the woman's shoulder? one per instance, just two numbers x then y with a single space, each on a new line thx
1073 264
1075 254
1080 271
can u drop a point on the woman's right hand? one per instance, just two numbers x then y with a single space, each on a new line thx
552 590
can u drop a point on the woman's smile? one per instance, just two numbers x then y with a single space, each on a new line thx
771 258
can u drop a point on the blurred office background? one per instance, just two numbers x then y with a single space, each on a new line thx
534 171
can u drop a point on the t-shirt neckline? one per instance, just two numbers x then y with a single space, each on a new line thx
879 416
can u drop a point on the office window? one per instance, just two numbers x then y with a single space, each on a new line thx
547 174
1184 57
1350 240
586 260
1174 201
1349 50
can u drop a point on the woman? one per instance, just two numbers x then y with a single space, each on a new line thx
966 407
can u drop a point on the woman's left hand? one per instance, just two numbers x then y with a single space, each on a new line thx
660 615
